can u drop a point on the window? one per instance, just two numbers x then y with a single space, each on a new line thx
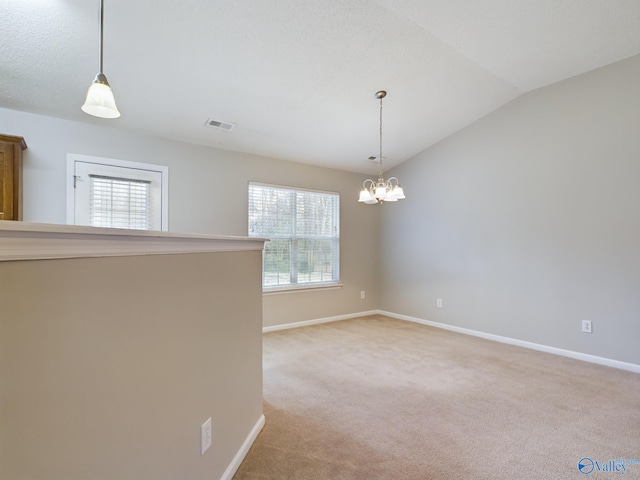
304 228
116 194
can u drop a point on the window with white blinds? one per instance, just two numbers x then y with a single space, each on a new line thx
304 231
113 193
119 202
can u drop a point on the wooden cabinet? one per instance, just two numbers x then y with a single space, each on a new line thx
11 177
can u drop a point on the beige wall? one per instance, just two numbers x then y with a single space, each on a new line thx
528 221
207 194
109 366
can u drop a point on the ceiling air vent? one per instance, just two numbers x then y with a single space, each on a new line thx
226 126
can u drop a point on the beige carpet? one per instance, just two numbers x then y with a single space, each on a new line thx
378 398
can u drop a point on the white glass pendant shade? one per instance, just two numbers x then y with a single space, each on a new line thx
100 101
381 191
389 197
365 195
398 192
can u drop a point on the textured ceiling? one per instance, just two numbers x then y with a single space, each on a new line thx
298 77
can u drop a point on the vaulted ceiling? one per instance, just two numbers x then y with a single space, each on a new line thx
298 77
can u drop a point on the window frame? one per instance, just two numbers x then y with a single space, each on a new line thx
297 287
108 166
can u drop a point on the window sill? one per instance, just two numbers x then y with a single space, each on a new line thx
299 289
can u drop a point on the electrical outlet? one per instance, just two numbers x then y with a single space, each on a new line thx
362 294
439 302
586 326
205 436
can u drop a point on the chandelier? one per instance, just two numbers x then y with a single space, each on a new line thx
381 191
100 101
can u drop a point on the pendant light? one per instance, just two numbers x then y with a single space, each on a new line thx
100 101
381 191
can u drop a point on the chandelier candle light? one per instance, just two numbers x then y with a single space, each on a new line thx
100 101
381 191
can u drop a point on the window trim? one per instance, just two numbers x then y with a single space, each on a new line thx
163 170
305 287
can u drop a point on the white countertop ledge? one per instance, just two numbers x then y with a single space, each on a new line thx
39 241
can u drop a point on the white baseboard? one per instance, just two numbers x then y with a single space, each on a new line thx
632 367
244 449
316 321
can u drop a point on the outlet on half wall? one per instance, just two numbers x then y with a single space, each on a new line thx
205 436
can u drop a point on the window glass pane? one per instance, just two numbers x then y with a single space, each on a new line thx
316 214
277 263
270 211
315 260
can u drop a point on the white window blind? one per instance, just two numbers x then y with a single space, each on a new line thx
119 202
304 231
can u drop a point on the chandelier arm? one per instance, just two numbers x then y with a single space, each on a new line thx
364 184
